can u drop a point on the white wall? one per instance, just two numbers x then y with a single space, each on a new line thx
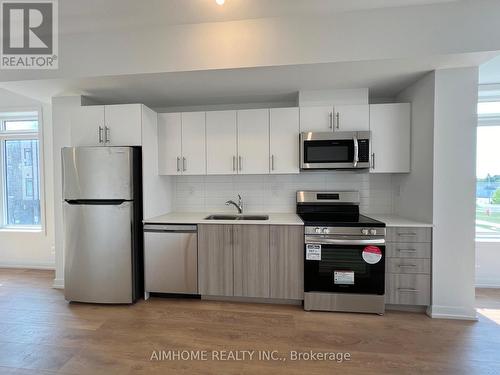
454 177
276 193
488 264
413 191
32 249
62 109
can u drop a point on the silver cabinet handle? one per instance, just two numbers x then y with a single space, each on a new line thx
272 162
407 290
107 132
183 164
240 163
407 250
234 163
100 134
337 115
178 161
407 265
356 152
373 160
407 234
331 120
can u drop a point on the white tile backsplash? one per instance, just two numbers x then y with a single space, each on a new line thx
276 193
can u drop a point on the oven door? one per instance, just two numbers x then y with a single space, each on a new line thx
344 265
328 150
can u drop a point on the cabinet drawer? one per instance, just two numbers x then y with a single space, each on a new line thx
408 234
408 250
408 265
404 289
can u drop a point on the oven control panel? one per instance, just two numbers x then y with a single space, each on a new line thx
350 231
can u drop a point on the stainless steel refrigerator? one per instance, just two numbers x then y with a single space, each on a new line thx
102 217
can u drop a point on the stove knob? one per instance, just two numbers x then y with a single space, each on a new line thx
326 231
373 232
317 230
364 231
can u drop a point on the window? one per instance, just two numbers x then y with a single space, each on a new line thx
20 173
488 171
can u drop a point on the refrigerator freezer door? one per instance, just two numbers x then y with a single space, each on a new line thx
97 173
98 259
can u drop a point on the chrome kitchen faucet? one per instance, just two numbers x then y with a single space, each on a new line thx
239 205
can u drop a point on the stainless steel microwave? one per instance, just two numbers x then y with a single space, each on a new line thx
335 150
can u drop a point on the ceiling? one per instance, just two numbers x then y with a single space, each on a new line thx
384 78
98 15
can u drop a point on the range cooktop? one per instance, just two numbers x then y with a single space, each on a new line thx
332 209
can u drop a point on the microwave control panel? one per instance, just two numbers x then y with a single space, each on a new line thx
364 150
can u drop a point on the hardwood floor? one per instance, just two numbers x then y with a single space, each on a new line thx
40 333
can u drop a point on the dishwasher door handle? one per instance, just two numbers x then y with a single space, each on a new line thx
160 228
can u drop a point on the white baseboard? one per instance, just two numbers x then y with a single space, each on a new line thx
58 284
29 265
451 312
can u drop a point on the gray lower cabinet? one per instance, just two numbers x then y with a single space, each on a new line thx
287 261
251 260
408 266
408 289
246 260
215 260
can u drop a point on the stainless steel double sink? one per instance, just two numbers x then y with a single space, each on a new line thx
237 217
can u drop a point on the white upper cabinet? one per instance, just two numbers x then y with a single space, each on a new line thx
123 123
221 143
193 143
253 141
87 126
169 143
352 117
390 126
284 140
345 117
181 143
316 119
108 125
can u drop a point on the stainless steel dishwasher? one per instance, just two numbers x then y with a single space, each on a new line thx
171 258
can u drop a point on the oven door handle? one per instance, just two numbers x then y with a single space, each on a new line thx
331 241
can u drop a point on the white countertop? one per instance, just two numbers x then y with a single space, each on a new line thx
398 221
199 218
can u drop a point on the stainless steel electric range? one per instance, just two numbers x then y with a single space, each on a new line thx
344 253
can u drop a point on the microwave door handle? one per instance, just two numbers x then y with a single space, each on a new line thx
356 151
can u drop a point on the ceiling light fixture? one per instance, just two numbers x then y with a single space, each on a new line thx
220 2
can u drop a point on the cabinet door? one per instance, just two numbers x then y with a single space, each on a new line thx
169 143
251 260
253 141
194 160
221 142
316 119
390 138
287 261
124 124
87 126
355 117
284 140
215 260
